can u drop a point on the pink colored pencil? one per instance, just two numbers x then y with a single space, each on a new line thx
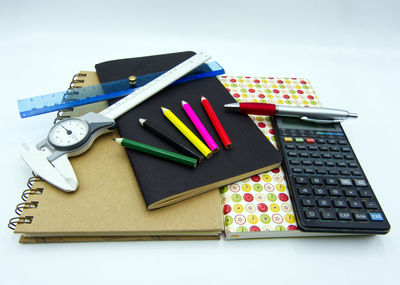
200 127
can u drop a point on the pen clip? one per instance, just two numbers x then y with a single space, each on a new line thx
320 121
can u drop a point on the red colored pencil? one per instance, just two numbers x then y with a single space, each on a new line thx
216 123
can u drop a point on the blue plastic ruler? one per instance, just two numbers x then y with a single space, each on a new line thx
80 96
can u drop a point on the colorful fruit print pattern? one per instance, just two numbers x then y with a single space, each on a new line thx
262 202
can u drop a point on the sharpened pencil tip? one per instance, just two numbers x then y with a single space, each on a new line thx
184 102
117 140
141 121
203 98
163 109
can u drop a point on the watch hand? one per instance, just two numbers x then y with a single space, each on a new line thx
68 131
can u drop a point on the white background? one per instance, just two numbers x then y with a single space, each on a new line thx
348 49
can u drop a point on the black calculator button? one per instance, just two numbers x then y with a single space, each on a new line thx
289 146
306 162
350 193
331 141
337 156
311 214
297 170
352 164
360 182
315 155
319 192
356 204
292 154
341 164
301 147
304 191
333 171
303 154
318 163
348 157
321 171
329 163
312 147
371 205
335 192
316 181
365 193
346 149
309 171
356 173
321 141
361 216
344 215
344 172
327 155
330 181
328 215
334 148
324 202
345 182
307 202
323 148
294 162
340 203
342 142
301 180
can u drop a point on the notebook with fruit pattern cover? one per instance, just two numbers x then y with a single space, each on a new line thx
260 206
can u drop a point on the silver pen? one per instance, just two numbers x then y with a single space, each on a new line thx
310 114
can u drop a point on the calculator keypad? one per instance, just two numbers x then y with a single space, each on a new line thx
328 186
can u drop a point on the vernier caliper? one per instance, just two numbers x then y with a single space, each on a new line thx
73 136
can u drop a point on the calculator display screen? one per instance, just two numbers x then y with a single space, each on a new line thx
295 123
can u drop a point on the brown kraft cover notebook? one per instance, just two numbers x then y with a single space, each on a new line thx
108 205
164 183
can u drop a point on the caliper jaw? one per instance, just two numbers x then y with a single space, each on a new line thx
59 172
52 164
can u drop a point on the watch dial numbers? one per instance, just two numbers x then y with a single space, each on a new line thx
68 132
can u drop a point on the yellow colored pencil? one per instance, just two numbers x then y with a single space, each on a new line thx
187 133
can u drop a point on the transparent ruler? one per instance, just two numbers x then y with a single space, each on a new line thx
86 95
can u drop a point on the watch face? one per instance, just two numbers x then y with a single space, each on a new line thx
69 133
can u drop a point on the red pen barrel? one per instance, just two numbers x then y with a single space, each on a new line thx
257 109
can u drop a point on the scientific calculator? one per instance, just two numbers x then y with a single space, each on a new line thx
329 189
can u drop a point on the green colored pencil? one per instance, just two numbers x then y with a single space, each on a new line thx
175 157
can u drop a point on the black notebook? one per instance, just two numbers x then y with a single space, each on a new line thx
162 182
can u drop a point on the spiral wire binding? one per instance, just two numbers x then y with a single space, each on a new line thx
75 79
12 224
18 210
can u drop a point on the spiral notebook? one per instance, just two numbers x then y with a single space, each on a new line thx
108 206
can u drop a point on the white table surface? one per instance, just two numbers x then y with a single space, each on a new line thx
350 51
